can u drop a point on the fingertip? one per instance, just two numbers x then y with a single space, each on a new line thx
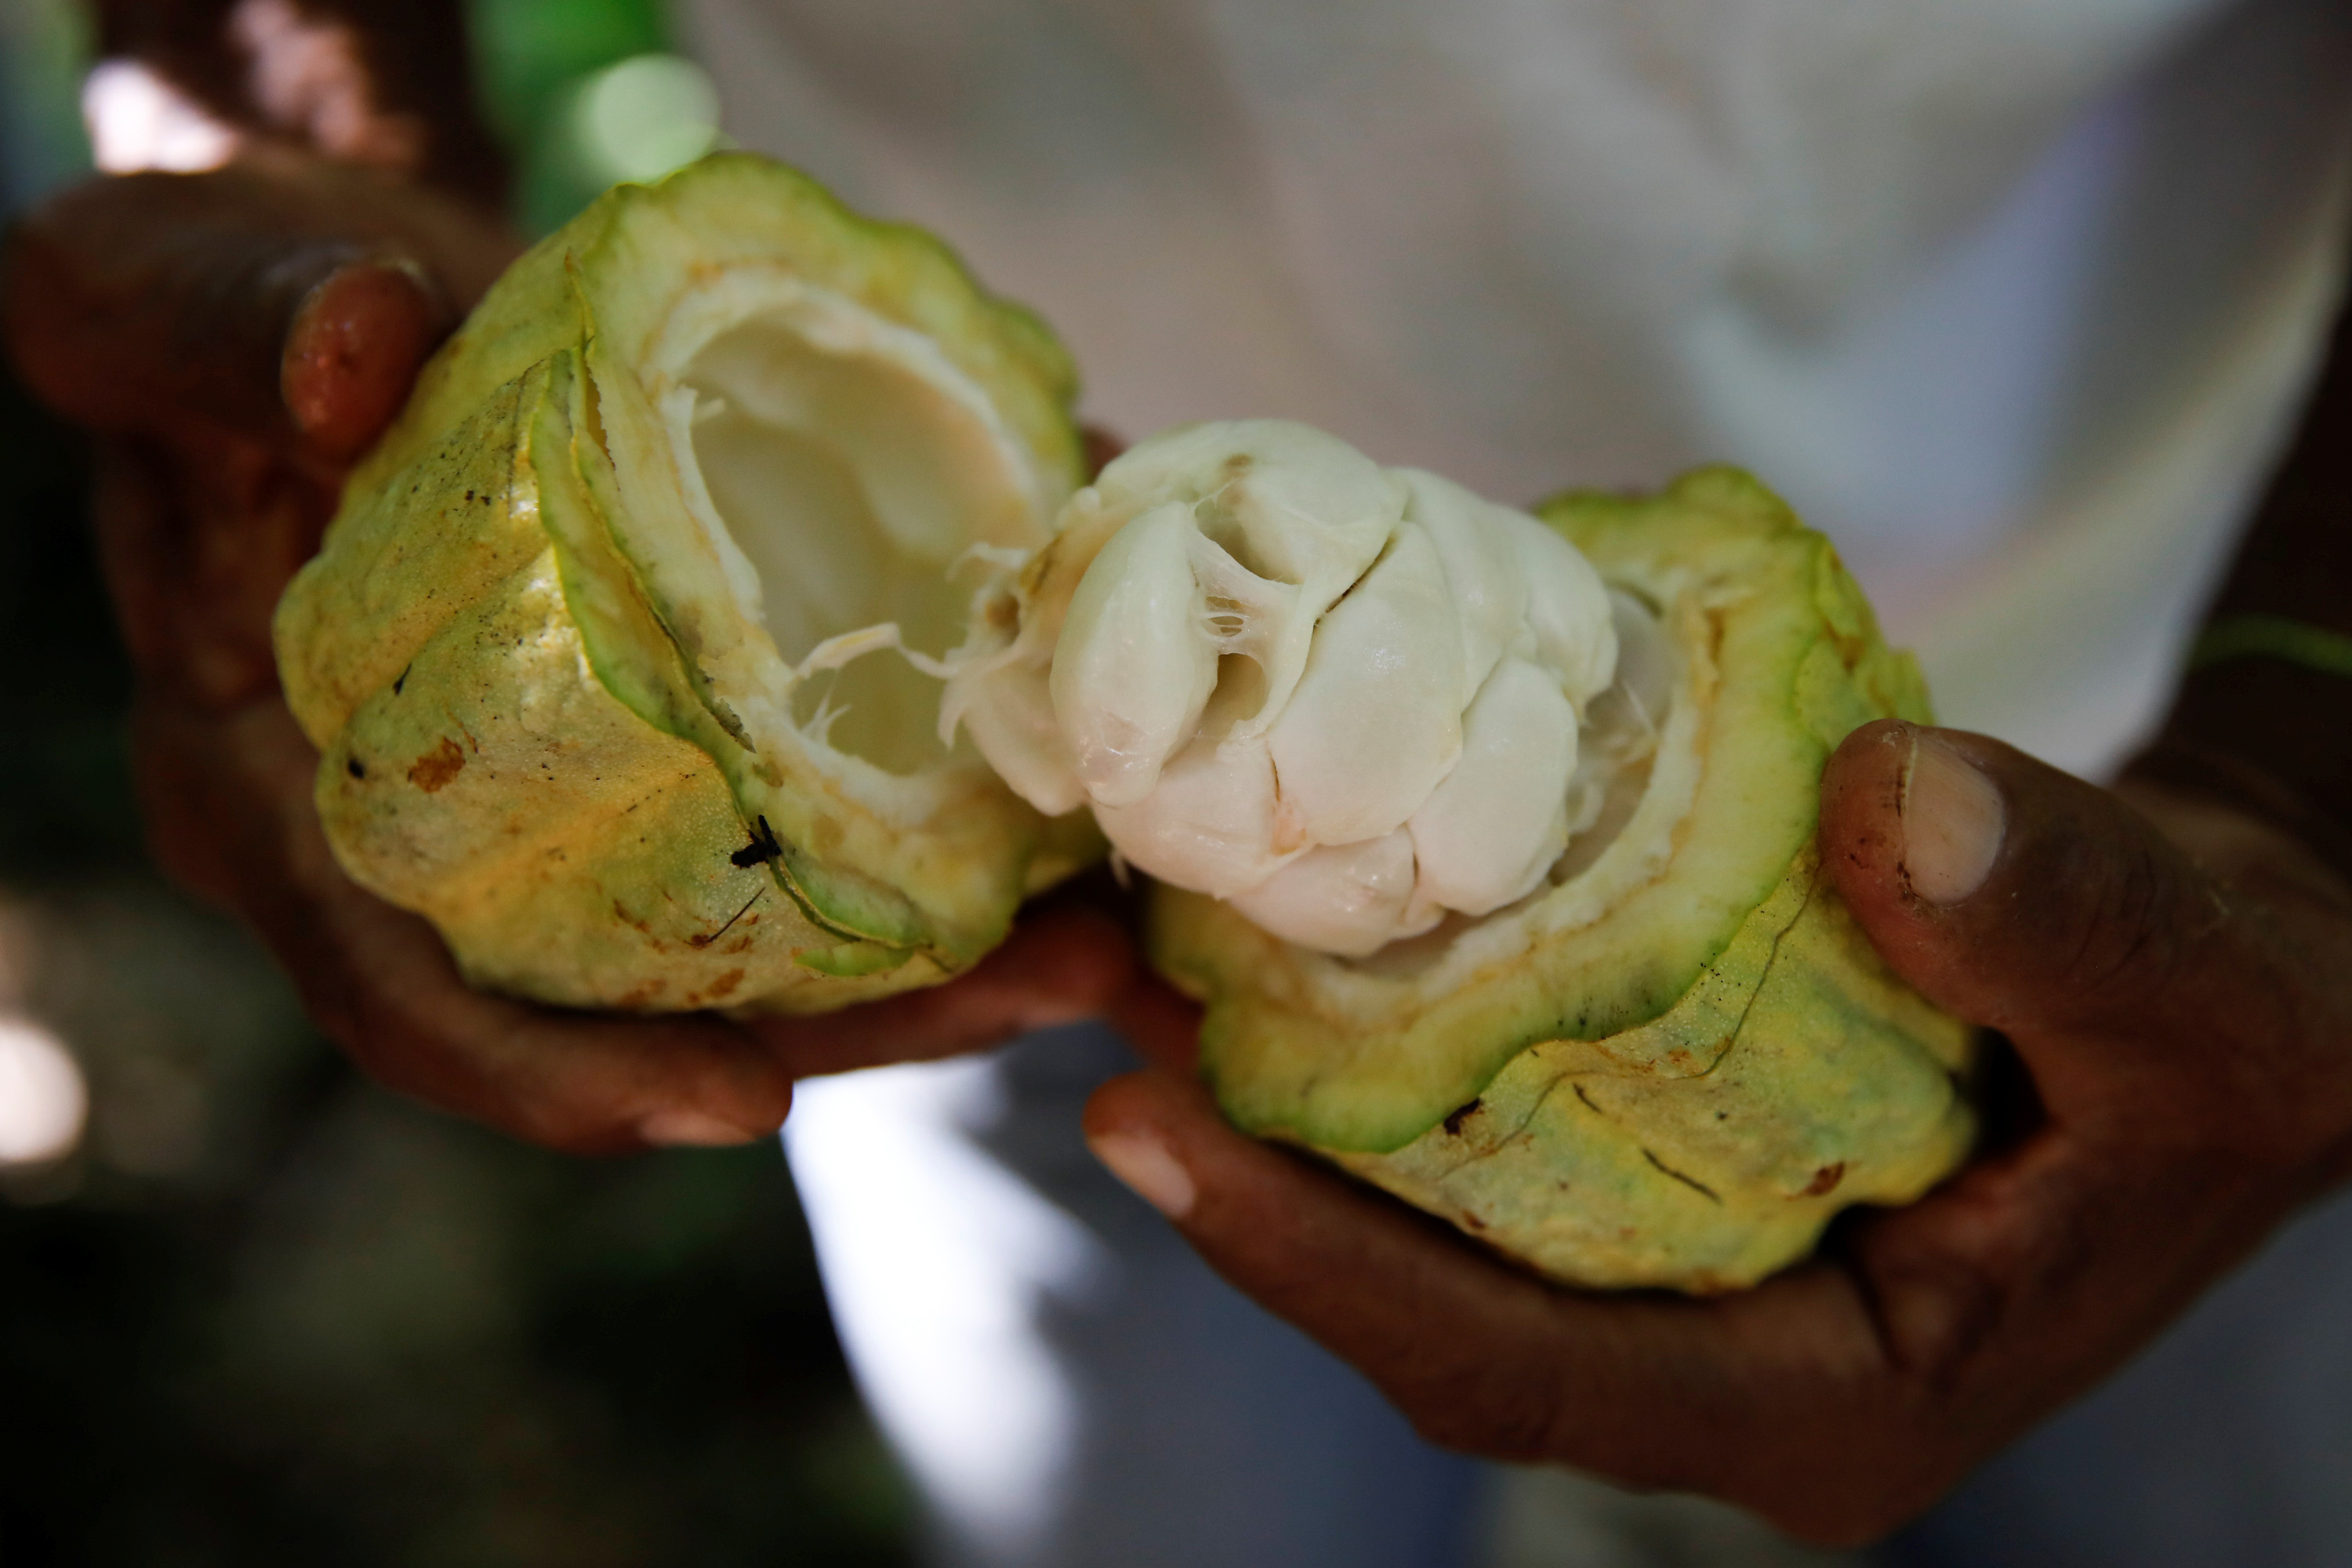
1861 803
1346 1263
1912 823
697 1130
353 349
1153 1130
1133 1148
642 1085
1911 814
1954 819
1124 1105
2014 895
1175 1109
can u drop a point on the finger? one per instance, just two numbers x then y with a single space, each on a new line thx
1365 1277
2172 1033
2034 1272
1060 966
352 351
382 982
131 307
1750 1396
2016 896
197 542
152 300
226 798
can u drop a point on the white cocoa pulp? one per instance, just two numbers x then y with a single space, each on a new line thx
1351 701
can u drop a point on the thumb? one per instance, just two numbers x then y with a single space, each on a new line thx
158 302
2016 896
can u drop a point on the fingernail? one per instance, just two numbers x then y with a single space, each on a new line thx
353 349
1144 1163
690 1129
1953 821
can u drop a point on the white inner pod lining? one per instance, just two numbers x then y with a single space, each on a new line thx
843 465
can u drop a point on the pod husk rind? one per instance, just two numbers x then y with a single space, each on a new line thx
516 740
1681 1090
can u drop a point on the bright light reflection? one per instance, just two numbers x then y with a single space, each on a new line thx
43 1100
941 1267
137 121
645 116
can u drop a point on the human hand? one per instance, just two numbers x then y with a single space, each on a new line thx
235 340
2176 978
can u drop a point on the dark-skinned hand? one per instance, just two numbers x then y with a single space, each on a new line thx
235 340
2176 978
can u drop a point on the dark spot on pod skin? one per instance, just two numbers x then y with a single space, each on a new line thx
433 771
1826 1180
1693 1182
354 767
1460 1115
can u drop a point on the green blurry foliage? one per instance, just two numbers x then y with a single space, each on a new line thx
528 52
539 64
43 44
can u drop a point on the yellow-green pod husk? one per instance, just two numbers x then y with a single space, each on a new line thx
555 650
1673 1064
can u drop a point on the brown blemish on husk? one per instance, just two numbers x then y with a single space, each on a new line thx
434 770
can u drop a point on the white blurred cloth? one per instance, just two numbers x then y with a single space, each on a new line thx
2013 298
1067 1384
2008 296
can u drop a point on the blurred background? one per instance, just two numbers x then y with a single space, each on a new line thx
252 1310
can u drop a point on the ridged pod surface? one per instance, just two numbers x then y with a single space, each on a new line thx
555 710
